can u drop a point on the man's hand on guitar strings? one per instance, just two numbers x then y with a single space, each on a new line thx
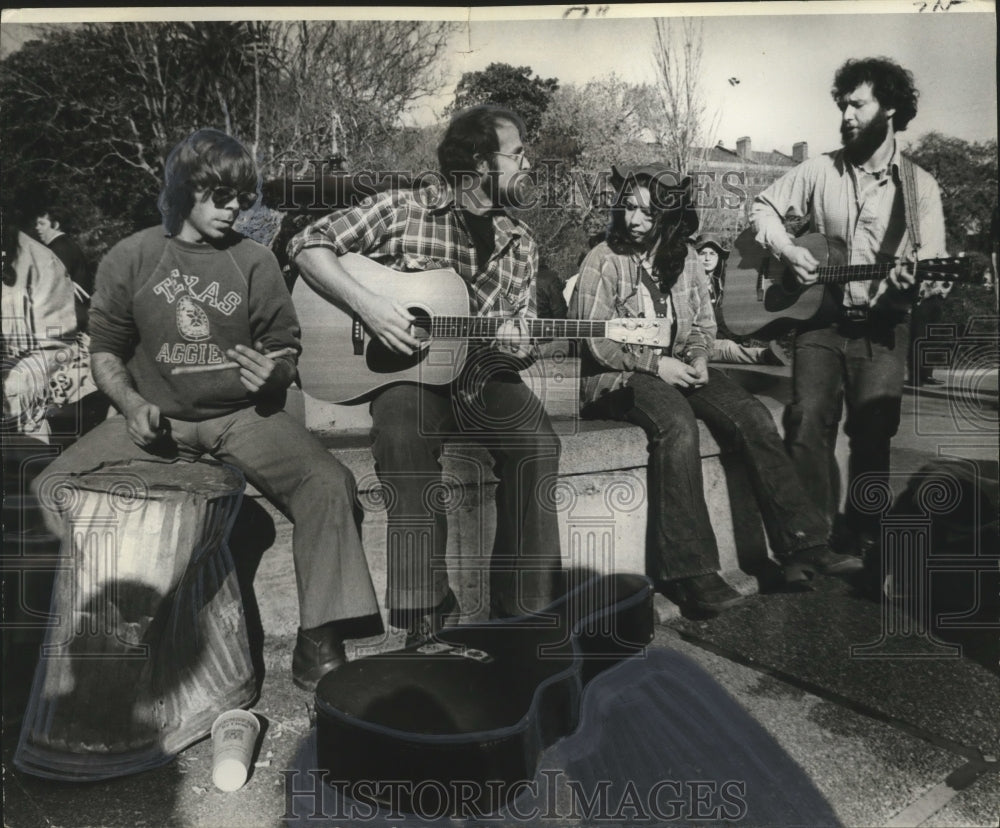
802 263
512 340
390 322
903 276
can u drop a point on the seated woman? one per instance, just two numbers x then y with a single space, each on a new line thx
713 254
46 366
647 268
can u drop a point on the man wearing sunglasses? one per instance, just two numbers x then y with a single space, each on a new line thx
461 224
195 340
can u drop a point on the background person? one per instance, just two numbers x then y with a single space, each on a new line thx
46 371
49 227
713 255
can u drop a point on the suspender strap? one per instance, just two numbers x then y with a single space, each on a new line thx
909 178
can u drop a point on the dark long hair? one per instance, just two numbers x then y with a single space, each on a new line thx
674 222
206 158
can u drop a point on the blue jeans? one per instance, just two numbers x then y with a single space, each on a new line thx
292 469
409 426
681 540
862 365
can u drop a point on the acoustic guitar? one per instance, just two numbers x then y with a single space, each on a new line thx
439 299
469 713
764 299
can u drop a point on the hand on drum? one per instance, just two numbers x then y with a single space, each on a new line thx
146 425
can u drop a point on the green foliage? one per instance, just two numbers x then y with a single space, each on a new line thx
509 86
90 112
967 175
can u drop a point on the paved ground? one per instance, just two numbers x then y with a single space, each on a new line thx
891 725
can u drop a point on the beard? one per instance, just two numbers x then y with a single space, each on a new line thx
861 145
516 193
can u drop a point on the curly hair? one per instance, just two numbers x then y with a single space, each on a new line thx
892 86
206 158
674 222
473 132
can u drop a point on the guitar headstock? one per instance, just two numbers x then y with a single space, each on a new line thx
955 269
633 331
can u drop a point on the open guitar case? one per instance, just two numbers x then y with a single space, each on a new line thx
478 703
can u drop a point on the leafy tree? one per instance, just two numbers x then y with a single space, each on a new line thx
509 86
89 112
343 87
967 175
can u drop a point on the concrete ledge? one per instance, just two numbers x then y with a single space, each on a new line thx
601 505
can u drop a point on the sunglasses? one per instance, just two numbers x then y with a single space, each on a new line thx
221 196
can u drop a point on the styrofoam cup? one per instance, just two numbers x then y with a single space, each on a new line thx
234 735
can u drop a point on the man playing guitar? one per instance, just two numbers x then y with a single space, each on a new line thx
461 224
855 197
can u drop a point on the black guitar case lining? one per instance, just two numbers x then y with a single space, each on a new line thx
480 702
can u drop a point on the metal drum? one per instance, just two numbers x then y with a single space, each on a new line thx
149 641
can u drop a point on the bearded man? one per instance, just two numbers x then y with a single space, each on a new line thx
461 223
855 197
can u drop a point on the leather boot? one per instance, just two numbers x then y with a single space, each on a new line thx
317 651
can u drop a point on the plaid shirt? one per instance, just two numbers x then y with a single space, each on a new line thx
864 213
411 231
609 287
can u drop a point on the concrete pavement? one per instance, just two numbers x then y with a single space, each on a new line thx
909 736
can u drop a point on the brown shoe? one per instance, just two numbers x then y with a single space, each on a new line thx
317 652
702 593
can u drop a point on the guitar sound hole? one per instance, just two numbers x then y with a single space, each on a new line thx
381 360
421 325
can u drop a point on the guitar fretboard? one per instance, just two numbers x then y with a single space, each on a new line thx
485 327
852 273
955 269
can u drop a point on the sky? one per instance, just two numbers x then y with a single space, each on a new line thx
783 54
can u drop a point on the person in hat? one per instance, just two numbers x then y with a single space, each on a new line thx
646 267
713 254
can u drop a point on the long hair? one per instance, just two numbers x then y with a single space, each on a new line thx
892 86
473 132
674 222
205 159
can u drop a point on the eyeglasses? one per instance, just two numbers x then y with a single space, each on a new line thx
519 156
221 196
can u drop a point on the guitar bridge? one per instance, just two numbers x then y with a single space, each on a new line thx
761 275
357 335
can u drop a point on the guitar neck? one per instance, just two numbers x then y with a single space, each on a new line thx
485 327
839 274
